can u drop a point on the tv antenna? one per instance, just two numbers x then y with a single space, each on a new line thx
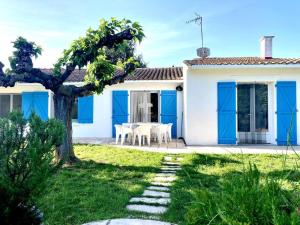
197 20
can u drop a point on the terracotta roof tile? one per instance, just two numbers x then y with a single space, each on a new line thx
241 61
171 73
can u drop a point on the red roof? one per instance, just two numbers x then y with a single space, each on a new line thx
241 61
168 73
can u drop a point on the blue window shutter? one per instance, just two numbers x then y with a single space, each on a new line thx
41 104
226 113
286 112
35 102
119 109
169 109
27 104
85 109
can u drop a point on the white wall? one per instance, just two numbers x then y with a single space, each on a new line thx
200 99
102 125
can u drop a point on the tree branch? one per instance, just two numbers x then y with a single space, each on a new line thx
29 76
107 41
89 88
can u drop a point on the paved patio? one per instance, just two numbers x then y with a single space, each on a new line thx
178 147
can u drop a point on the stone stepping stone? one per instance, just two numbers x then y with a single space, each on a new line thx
128 222
170 168
166 174
159 201
147 209
156 194
161 184
168 158
179 159
157 188
164 179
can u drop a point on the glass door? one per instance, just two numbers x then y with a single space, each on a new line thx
252 113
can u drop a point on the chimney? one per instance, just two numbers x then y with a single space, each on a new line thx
266 47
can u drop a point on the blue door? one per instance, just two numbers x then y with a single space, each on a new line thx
286 113
226 113
169 109
119 109
35 102
85 109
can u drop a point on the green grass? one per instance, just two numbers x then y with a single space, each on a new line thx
98 187
207 172
101 184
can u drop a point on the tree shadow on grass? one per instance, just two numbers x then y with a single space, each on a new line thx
89 191
287 174
211 160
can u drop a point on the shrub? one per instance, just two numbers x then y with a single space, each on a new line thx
26 161
245 199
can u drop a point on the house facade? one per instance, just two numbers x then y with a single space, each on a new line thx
209 101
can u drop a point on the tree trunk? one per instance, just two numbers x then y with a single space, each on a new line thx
63 112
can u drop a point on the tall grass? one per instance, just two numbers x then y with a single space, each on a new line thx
248 198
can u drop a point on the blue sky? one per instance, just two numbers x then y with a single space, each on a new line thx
231 27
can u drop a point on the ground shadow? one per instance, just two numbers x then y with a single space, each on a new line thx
89 191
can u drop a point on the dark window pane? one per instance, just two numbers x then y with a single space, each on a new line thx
243 107
17 102
261 107
4 105
75 110
154 108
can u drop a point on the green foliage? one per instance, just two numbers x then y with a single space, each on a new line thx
102 60
245 199
22 55
121 52
26 161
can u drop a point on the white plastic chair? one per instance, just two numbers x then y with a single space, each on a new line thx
163 132
170 131
142 131
126 130
118 132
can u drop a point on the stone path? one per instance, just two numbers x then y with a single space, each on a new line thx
128 222
156 198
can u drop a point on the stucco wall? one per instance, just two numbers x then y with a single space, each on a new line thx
102 125
200 98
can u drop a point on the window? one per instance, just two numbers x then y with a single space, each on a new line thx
144 106
75 110
10 102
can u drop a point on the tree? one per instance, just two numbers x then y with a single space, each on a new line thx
124 50
89 51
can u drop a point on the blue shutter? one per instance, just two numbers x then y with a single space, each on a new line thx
85 109
27 104
226 113
35 102
169 109
286 112
119 109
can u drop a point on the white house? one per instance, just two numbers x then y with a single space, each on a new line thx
210 101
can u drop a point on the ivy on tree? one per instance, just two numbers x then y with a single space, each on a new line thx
93 51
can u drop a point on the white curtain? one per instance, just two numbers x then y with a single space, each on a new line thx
140 107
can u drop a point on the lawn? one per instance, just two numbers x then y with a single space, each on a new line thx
101 184
98 187
209 171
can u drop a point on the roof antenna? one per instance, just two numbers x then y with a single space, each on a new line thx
201 52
